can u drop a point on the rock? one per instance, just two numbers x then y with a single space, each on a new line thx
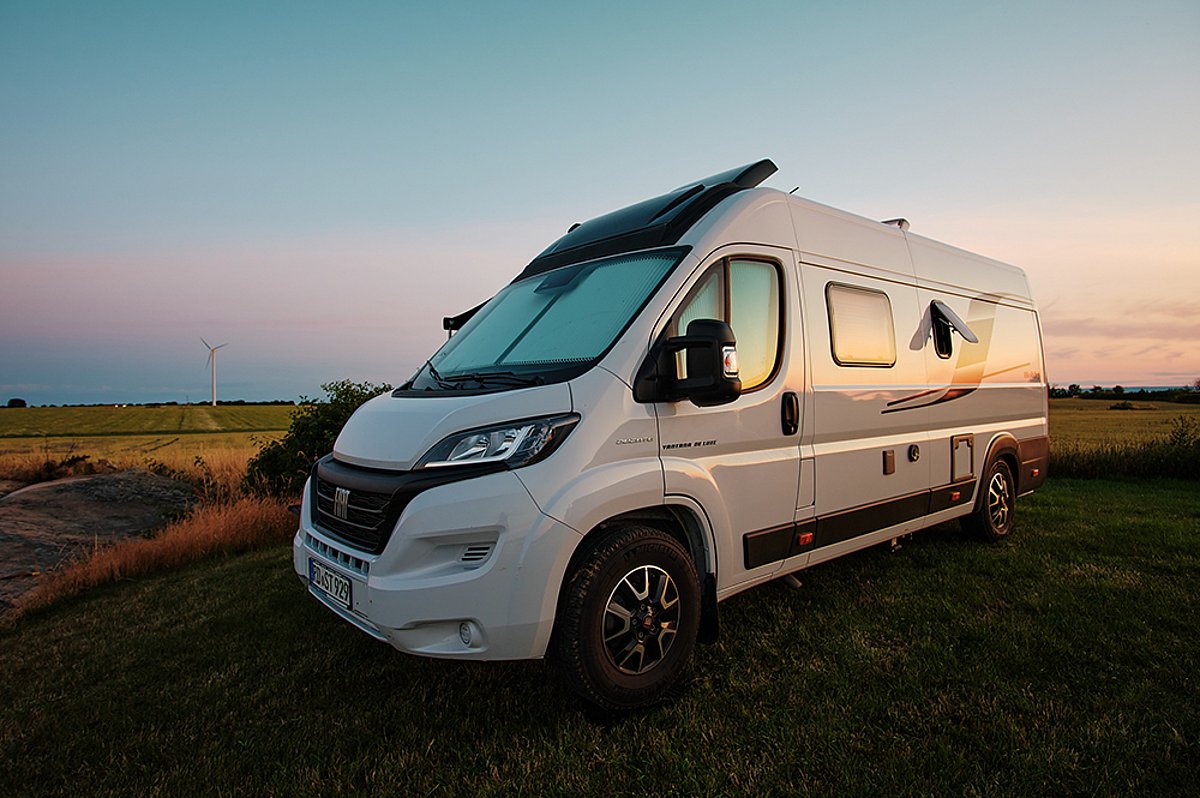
47 524
7 486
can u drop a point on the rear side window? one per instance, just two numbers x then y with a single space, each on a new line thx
861 331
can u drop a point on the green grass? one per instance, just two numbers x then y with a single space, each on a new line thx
65 422
1064 660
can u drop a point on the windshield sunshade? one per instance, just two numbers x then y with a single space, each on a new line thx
559 320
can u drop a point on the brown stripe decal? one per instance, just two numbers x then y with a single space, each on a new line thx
852 523
777 543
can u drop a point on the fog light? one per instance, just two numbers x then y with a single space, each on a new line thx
464 633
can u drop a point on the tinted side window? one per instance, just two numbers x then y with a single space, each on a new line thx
746 294
754 317
861 331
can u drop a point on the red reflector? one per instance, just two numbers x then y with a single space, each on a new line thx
955 495
805 538
1036 471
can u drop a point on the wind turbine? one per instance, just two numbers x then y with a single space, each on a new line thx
212 360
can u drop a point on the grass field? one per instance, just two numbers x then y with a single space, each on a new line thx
107 422
1062 661
226 435
1090 422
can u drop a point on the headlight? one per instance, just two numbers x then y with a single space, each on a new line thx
515 444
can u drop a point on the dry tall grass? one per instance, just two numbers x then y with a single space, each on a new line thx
216 472
228 527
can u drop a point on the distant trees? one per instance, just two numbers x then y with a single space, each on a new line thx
15 402
1189 394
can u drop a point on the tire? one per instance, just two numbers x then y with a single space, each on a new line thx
628 620
996 506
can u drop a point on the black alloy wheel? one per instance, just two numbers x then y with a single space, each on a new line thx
628 619
996 506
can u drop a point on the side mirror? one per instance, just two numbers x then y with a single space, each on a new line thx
712 370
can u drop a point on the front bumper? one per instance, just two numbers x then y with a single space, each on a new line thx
477 553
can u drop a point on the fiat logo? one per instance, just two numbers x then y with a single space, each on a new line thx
341 503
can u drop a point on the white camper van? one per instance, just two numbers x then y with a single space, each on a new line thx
673 403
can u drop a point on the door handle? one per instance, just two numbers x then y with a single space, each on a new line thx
790 415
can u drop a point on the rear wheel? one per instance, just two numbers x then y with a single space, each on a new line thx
997 504
629 619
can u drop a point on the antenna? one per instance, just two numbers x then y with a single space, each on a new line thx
212 361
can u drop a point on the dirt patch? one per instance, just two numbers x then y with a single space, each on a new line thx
45 525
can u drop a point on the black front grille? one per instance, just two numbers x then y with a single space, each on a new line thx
366 523
376 500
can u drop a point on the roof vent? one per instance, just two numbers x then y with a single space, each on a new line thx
901 223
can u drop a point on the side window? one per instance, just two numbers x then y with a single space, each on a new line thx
707 301
754 317
861 331
746 294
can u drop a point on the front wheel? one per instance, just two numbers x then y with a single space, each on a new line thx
996 506
629 619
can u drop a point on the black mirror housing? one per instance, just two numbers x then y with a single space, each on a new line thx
711 355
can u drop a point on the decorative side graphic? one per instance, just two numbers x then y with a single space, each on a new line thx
970 365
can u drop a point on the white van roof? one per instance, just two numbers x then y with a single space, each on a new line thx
839 239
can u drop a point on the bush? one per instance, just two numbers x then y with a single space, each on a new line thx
1122 406
281 466
16 402
1176 454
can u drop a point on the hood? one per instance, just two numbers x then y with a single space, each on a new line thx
393 432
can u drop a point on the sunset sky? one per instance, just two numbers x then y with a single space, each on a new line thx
317 184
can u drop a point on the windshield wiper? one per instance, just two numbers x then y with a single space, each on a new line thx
441 381
495 378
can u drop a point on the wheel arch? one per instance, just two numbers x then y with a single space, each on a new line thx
1004 446
680 521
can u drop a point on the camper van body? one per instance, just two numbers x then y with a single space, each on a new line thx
865 413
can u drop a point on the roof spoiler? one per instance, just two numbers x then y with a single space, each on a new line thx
656 222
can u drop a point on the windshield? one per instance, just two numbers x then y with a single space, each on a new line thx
549 326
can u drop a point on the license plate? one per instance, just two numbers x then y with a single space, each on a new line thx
329 582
